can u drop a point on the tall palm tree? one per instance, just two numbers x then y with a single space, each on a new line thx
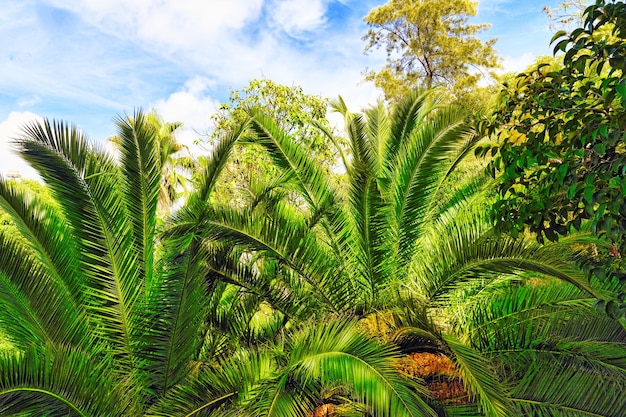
389 246
111 318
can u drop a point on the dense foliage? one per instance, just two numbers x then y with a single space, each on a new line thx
296 112
307 274
562 160
111 318
422 269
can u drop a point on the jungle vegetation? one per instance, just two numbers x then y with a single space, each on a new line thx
368 272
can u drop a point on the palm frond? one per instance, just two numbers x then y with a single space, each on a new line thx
422 165
216 163
46 233
407 116
174 315
61 381
479 378
37 309
212 387
338 352
563 382
378 128
267 279
86 183
330 356
559 356
141 172
288 239
367 228
291 157
472 250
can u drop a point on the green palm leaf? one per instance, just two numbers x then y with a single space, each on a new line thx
290 157
36 308
86 184
479 378
63 381
337 352
141 172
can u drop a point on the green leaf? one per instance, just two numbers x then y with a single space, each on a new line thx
588 193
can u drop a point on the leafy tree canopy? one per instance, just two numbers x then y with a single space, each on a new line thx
298 114
428 43
562 157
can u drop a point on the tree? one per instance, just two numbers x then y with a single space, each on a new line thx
110 319
428 43
383 249
566 13
561 159
298 114
177 166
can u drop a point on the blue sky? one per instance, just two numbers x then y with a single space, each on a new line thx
86 61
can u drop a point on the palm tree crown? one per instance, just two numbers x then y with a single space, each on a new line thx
391 247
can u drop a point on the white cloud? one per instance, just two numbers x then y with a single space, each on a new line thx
294 16
29 101
90 59
193 106
517 63
10 129
173 24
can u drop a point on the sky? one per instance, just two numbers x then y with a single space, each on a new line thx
86 61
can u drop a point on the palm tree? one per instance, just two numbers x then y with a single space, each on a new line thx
389 247
111 318
175 159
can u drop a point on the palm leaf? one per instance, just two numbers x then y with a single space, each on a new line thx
36 308
62 381
559 357
86 185
479 379
291 157
471 250
212 388
174 316
45 232
408 115
422 165
141 172
331 354
367 229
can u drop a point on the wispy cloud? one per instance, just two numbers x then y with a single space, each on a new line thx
29 101
518 63
88 60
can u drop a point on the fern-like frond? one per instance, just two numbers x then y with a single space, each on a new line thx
479 378
421 165
61 381
408 115
174 315
141 167
86 184
45 232
292 158
470 250
333 354
216 389
36 308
